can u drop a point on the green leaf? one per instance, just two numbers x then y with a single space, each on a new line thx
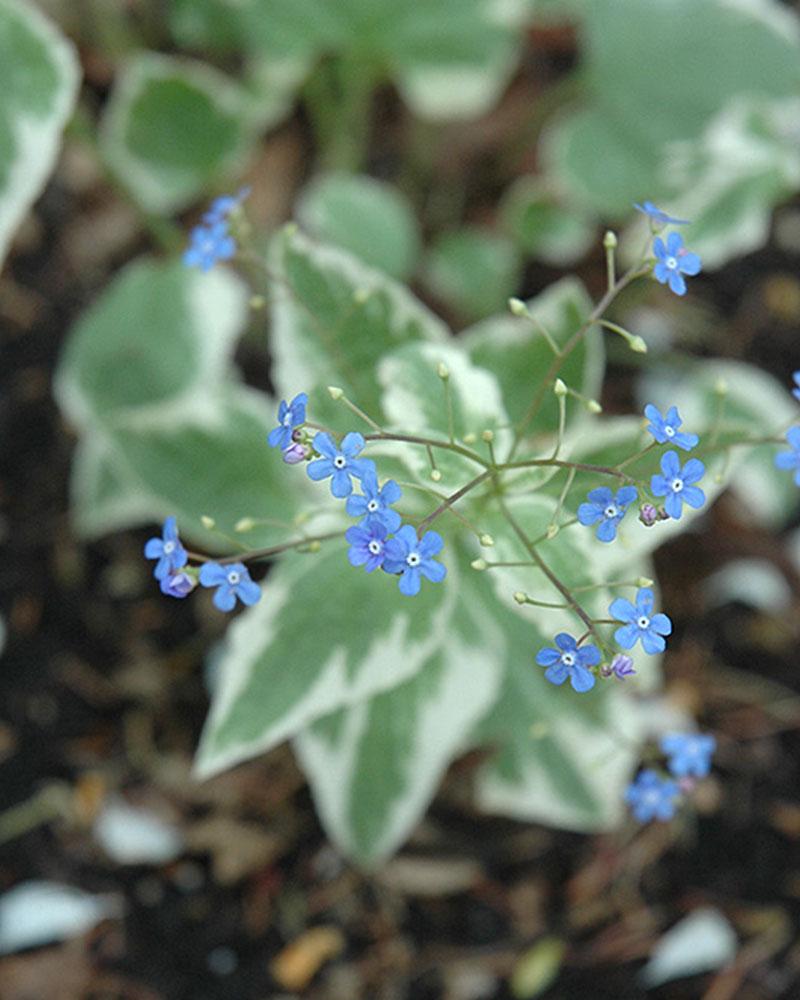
39 77
543 227
150 344
219 466
333 318
171 127
746 161
515 350
707 56
415 402
277 674
368 218
473 270
374 766
449 59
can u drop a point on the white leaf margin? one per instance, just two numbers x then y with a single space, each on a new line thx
468 686
391 658
39 139
217 304
161 188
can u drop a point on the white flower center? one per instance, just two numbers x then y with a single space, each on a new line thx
611 510
677 485
375 547
372 506
287 420
669 431
568 659
643 621
652 796
340 461
169 548
233 577
413 559
672 263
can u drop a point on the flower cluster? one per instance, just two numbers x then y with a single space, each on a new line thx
656 796
676 484
212 241
673 260
178 579
639 624
379 540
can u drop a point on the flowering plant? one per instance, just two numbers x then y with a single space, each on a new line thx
459 540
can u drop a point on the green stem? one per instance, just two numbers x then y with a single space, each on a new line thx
448 502
596 313
429 443
274 550
551 576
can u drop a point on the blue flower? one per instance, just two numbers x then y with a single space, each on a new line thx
290 415
222 207
609 510
657 216
231 580
796 392
208 244
665 429
652 797
677 483
673 262
791 459
412 557
569 661
688 754
168 550
374 505
178 584
367 544
340 463
640 623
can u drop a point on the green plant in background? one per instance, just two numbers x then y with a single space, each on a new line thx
378 690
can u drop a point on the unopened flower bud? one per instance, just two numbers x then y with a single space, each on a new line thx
436 475
314 546
487 436
335 392
296 453
479 564
644 581
360 296
178 585
622 666
244 524
517 307
593 406
297 434
559 387
610 240
520 597
552 530
257 302
486 541
208 522
443 371
721 387
470 438
648 514
638 345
